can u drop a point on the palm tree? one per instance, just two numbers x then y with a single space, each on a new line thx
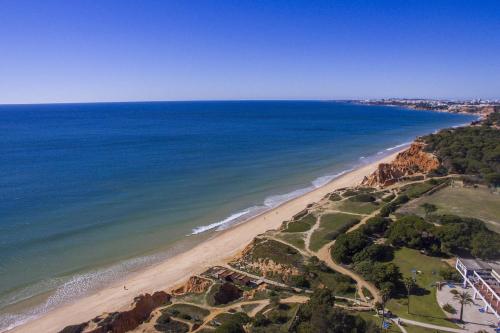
409 285
464 298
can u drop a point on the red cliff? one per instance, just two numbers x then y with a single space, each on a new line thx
412 161
120 322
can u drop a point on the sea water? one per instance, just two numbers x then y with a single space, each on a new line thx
89 192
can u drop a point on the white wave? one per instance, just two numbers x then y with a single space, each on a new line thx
398 146
276 200
322 181
217 224
71 288
269 203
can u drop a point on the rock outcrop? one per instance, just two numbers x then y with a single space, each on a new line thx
120 322
410 162
195 285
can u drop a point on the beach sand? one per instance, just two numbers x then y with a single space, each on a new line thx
173 271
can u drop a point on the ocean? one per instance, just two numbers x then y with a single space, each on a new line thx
90 192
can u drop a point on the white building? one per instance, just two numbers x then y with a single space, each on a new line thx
484 278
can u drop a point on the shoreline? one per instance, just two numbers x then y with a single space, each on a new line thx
173 271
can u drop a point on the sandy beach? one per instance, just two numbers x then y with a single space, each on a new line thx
175 270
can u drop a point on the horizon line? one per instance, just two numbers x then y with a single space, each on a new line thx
252 100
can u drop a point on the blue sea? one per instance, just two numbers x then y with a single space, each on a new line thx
90 192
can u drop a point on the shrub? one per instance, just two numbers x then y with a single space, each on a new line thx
411 231
335 197
363 197
300 281
230 327
486 245
375 225
347 245
389 197
449 308
450 274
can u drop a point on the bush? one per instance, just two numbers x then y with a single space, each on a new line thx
401 199
335 197
486 245
388 198
411 231
450 274
363 197
185 316
260 320
348 245
449 308
458 234
300 281
230 327
375 225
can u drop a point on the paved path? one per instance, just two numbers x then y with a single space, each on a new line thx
431 326
400 327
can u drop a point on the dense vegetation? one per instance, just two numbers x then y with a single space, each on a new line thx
455 235
469 150
369 259
451 235
319 315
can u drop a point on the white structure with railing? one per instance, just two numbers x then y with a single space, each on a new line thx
484 278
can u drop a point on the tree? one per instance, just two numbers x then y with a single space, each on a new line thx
409 285
486 245
274 299
230 327
464 298
428 208
385 294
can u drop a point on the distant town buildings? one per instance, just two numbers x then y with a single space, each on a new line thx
477 106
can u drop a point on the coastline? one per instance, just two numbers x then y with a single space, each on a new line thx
173 271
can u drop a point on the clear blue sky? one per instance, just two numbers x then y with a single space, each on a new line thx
103 50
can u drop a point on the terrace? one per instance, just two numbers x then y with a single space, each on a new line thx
482 277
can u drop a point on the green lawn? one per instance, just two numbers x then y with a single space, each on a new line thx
303 224
187 311
418 329
330 225
478 202
278 252
356 207
370 316
423 307
417 189
342 285
296 239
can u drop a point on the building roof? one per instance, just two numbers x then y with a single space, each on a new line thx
475 264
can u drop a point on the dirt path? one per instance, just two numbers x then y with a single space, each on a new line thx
214 311
324 254
309 233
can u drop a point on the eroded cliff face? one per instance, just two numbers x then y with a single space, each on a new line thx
120 322
195 285
263 266
410 162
